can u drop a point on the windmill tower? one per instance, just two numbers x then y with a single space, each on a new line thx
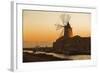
67 30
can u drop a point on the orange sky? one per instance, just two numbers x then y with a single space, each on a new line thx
39 26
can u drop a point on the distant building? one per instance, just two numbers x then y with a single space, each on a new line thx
70 44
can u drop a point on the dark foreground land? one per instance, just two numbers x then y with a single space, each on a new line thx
30 57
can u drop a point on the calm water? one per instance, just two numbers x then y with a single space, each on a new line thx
62 56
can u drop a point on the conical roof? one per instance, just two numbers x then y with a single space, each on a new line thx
68 25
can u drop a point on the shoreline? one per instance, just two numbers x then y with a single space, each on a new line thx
43 56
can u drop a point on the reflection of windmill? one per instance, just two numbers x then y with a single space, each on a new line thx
67 30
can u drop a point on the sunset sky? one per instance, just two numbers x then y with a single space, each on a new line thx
39 26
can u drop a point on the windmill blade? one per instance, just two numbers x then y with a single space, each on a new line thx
67 18
62 32
58 26
63 18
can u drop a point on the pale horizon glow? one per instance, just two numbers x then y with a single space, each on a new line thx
39 26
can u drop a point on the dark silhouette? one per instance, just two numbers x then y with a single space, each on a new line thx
69 44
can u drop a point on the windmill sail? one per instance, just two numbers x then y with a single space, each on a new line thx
65 21
65 18
58 26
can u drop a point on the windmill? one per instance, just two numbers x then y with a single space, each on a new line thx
66 28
